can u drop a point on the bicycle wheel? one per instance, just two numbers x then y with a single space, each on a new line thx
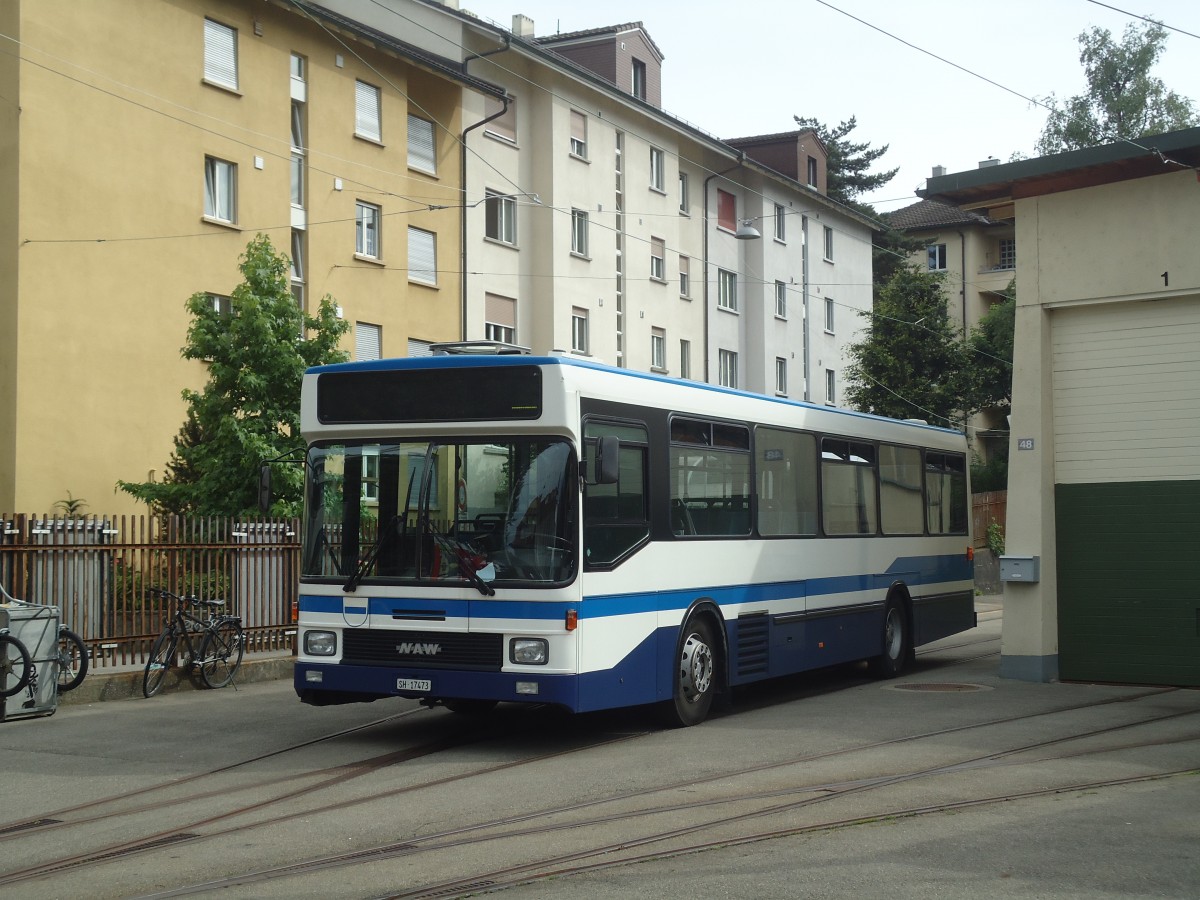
221 652
72 660
162 657
16 668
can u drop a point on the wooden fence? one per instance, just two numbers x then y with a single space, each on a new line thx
986 508
97 570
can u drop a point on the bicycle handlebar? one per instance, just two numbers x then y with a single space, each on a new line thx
190 600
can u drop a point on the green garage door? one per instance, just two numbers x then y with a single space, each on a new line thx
1127 491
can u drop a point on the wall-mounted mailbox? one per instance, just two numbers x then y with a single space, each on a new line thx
1020 568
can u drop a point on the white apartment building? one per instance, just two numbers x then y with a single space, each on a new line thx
599 225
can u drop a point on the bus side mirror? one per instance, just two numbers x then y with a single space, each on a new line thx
264 489
608 459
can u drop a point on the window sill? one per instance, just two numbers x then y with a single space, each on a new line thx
223 223
827 259
782 241
687 297
578 255
582 159
430 173
221 87
830 333
658 279
660 370
428 284
685 213
500 243
658 190
779 318
727 309
507 141
373 260
367 139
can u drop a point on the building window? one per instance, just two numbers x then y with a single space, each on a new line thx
366 233
658 259
781 376
780 300
578 134
728 368
685 286
812 171
727 290
500 319
579 330
504 126
780 223
684 202
220 190
500 217
420 145
830 387
297 159
829 243
298 267
726 210
366 111
639 79
222 305
368 341
658 349
829 307
685 359
658 168
1008 253
220 55
422 256
936 256
579 232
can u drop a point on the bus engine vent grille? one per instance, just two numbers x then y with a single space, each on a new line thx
423 649
753 646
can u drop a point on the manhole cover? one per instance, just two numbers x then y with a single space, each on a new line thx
942 687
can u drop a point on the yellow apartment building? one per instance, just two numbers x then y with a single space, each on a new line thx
142 145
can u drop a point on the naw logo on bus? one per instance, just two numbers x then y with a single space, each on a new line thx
411 648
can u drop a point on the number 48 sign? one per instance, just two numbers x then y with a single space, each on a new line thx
1024 443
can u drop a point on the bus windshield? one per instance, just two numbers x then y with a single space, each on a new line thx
434 512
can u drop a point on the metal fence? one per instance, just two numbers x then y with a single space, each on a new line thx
98 569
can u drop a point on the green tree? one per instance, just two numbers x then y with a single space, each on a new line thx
988 378
847 168
249 411
911 361
847 177
1122 100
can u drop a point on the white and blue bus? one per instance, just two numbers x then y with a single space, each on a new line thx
504 527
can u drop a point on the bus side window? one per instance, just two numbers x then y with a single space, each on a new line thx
616 515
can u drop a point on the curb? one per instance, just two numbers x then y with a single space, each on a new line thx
127 684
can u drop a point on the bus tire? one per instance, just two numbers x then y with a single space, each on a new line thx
695 674
896 641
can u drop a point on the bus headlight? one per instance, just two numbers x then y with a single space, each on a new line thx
320 643
529 651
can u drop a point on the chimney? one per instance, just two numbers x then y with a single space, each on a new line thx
939 171
522 26
989 162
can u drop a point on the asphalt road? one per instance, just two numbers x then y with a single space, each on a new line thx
948 782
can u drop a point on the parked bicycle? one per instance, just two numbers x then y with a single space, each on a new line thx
213 646
18 671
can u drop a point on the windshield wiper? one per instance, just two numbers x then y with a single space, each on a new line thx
458 551
369 560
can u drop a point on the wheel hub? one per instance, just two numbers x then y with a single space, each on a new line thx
695 668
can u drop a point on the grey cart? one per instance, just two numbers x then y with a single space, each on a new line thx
28 678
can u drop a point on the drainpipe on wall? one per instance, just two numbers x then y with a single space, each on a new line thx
741 159
962 264
462 144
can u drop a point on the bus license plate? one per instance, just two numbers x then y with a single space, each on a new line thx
414 684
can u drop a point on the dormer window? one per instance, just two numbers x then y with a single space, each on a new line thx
639 79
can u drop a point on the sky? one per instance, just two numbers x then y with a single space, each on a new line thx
736 69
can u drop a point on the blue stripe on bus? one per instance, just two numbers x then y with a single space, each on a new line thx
916 570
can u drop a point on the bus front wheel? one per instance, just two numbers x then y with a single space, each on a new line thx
695 678
896 642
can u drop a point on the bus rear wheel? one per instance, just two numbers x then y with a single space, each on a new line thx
896 642
695 678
